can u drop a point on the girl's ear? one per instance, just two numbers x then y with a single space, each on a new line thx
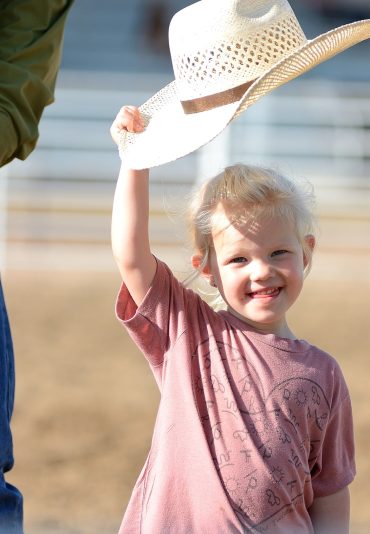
202 266
197 261
311 243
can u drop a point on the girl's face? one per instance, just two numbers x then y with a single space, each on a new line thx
258 269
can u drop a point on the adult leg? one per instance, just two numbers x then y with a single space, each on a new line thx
11 502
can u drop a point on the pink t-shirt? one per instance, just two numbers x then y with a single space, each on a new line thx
250 427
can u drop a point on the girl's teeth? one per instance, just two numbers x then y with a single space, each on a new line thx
265 292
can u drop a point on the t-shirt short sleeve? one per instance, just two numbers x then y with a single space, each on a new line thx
335 466
162 316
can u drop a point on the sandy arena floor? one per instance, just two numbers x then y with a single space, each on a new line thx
86 400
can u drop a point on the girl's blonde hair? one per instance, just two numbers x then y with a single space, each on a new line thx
252 192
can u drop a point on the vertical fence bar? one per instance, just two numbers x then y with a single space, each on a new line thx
214 157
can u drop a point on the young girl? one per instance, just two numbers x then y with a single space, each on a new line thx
254 429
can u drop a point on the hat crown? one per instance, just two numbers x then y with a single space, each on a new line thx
219 44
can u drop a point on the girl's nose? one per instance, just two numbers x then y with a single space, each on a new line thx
260 270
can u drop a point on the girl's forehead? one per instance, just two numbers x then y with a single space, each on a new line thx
226 215
248 220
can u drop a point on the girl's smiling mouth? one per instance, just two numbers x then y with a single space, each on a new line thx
265 293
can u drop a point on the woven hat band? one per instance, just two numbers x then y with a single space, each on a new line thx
205 103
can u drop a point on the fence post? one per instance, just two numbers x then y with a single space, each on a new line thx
213 157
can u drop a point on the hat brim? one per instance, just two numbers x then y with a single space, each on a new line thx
171 134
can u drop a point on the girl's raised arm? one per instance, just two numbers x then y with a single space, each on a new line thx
130 217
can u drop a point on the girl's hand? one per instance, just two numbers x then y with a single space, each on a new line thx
129 119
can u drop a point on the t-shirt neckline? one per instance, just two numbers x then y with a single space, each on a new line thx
281 343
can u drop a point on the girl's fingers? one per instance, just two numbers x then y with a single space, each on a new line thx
129 119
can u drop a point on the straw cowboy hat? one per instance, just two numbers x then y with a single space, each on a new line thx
226 55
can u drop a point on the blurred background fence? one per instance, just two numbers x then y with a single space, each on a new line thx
317 127
58 202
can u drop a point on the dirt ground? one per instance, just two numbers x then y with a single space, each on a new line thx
82 425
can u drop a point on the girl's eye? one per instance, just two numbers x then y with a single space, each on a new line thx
239 259
279 252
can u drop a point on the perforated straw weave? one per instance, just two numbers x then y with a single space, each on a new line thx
226 55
